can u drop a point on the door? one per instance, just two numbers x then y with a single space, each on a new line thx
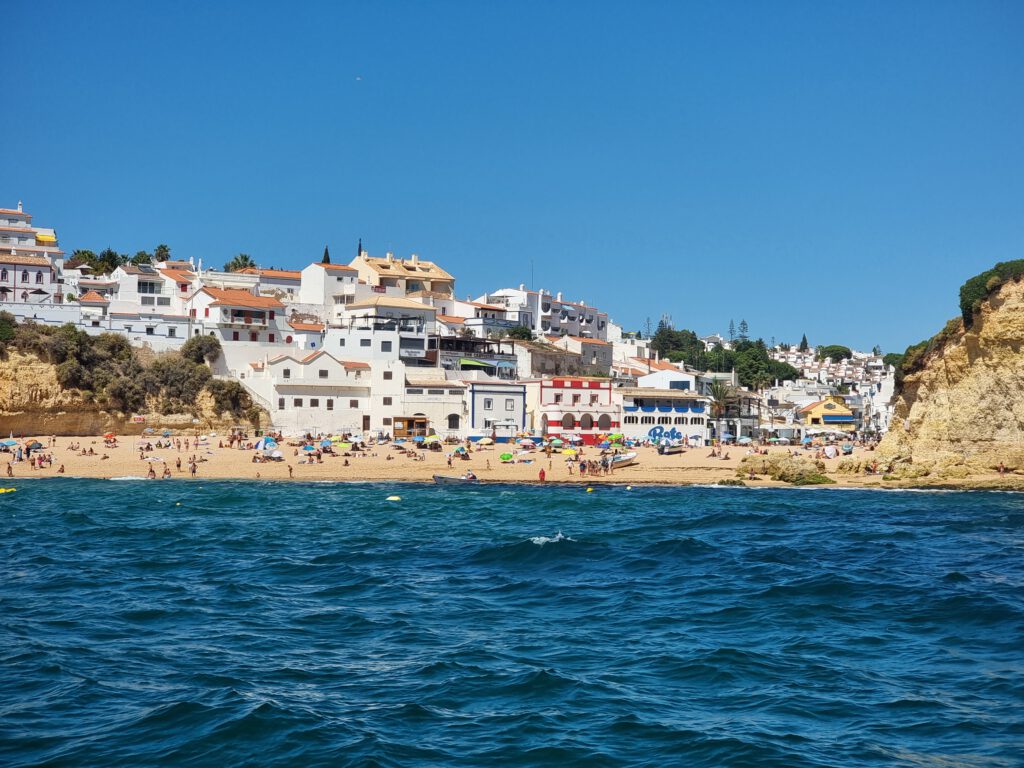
366 423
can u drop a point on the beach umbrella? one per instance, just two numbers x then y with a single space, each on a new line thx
400 440
344 446
526 441
167 433
34 445
806 440
356 438
108 436
8 442
604 444
325 443
569 452
744 441
506 457
418 439
308 448
485 441
556 443
276 455
615 438
433 439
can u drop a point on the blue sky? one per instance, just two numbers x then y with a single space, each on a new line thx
831 168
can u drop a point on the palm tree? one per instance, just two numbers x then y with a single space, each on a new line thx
722 395
240 262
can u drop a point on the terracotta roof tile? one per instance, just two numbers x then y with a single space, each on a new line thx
236 297
91 297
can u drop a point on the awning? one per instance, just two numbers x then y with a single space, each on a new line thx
45 238
475 363
505 364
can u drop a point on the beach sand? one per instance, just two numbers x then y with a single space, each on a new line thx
693 467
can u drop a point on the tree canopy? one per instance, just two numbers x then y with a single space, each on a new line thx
749 359
240 262
520 332
834 351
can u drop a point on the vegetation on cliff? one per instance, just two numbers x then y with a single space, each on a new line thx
107 370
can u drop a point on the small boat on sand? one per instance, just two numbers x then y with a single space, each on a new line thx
623 460
667 449
469 477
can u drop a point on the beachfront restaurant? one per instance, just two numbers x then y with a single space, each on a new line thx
664 414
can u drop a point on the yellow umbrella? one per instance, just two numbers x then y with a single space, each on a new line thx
485 441
568 452
432 439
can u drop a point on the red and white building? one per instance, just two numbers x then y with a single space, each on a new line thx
563 406
31 262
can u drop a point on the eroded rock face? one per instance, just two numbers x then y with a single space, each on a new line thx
966 406
33 403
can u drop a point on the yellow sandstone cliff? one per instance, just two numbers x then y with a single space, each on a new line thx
32 403
963 411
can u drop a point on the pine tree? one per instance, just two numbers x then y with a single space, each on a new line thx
732 330
743 330
327 256
804 346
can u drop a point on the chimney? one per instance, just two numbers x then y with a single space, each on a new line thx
414 259
522 286
558 296
19 207
390 257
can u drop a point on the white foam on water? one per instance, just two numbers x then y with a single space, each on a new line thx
542 540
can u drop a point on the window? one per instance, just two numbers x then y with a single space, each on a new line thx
270 338
387 401
172 333
488 404
39 278
586 421
629 420
322 373
568 422
664 419
280 403
575 399
147 301
510 404
150 330
353 403
364 342
558 397
385 346
3 275
453 421
314 402
680 420
454 391
183 287
297 402
24 275
388 375
330 404
271 314
646 419
593 399
163 301
386 421
253 336
341 342
234 335
286 373
414 391
435 391
206 312
128 329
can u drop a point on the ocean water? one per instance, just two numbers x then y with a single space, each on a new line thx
248 624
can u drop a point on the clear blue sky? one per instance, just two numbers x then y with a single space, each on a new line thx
832 168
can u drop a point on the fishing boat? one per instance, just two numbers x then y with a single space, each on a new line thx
667 449
455 479
623 460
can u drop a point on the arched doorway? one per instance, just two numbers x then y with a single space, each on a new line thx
604 422
586 421
568 421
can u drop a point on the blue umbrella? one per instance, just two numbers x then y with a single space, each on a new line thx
325 443
308 448
418 439
728 435
8 442
400 440
695 437
806 440
605 444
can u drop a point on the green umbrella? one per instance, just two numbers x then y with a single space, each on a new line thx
556 443
505 456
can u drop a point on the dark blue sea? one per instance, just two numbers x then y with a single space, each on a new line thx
248 624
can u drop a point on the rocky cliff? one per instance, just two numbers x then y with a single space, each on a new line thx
963 409
33 403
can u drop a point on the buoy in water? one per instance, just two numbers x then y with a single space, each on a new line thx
8 490
393 498
590 490
629 487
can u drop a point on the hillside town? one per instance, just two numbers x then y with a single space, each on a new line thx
383 345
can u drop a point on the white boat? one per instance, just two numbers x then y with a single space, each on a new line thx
623 459
453 480
667 449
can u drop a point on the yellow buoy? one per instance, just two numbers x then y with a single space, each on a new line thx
590 490
629 487
8 490
394 498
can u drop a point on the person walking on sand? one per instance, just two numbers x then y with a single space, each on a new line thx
291 472
541 475
193 468
1002 469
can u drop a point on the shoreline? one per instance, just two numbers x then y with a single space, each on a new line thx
387 464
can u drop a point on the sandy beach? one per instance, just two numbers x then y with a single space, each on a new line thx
388 463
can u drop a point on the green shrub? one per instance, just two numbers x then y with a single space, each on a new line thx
976 290
812 479
229 397
201 349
